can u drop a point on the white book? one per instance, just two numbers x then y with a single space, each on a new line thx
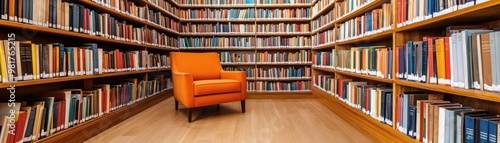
493 51
497 56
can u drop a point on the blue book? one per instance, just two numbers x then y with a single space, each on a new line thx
492 131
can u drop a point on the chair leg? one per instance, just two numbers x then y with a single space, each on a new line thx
176 104
243 106
218 107
189 114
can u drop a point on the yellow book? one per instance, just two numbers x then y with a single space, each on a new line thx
3 64
34 61
440 60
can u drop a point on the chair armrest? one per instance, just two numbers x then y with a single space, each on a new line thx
239 76
183 88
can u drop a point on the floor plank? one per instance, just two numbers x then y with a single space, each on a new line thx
265 120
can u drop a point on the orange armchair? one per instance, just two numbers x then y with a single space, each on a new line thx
199 80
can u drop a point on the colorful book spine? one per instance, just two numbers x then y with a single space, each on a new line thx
320 5
217 42
278 86
218 14
376 21
283 2
283 28
302 56
324 38
218 28
323 20
297 13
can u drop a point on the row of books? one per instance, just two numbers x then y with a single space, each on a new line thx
297 13
245 42
283 42
324 38
323 20
302 56
466 59
275 73
283 28
376 21
218 28
217 42
166 5
23 60
431 118
218 13
215 2
55 111
83 20
375 61
291 2
373 100
320 5
414 11
277 86
130 8
347 7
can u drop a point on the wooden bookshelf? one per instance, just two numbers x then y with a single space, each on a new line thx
398 36
157 8
278 79
362 76
218 20
364 123
187 6
71 78
254 49
324 10
283 5
87 130
120 15
43 35
46 30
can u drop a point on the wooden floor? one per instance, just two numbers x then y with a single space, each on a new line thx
265 120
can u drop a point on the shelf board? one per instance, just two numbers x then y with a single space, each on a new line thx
358 12
373 37
301 5
324 27
219 20
283 49
363 76
72 78
123 16
217 6
157 8
280 95
278 79
217 34
17 25
238 64
285 64
284 34
98 125
478 94
324 47
366 124
277 92
325 9
217 49
280 20
173 2
485 11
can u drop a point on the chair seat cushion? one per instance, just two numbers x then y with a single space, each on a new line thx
216 86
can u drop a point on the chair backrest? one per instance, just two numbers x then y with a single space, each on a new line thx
200 65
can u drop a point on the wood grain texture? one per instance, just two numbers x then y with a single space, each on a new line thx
363 76
266 120
87 130
71 78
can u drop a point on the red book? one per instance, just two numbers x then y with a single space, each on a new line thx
447 58
20 125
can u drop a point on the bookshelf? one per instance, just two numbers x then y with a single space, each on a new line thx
395 34
87 59
258 39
